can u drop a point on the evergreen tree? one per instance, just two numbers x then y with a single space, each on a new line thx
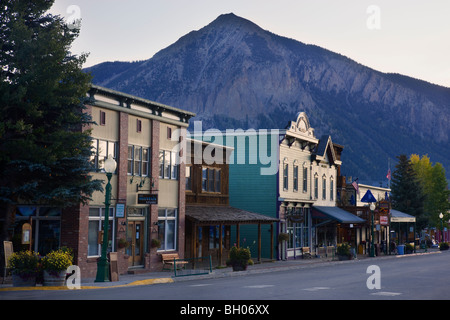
44 153
407 193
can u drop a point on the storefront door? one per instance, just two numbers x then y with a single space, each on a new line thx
136 249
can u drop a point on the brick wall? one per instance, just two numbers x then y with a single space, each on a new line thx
182 199
153 261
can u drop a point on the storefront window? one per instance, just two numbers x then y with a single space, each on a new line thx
214 237
96 223
167 222
293 230
298 230
46 228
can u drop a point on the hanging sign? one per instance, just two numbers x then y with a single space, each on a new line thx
147 199
120 210
384 220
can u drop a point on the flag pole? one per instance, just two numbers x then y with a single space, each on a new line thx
389 173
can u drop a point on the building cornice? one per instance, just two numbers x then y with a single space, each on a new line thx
119 101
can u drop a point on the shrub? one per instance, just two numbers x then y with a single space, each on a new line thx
443 246
239 256
409 248
343 249
57 261
24 263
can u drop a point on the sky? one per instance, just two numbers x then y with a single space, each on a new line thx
410 37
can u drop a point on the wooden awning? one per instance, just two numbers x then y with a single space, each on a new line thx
226 215
214 215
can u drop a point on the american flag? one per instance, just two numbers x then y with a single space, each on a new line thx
355 185
389 174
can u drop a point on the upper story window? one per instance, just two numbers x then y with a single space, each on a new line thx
316 187
305 179
102 118
168 166
211 179
138 125
285 176
100 151
331 189
295 178
324 187
189 178
138 160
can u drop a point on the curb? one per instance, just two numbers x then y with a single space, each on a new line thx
214 275
83 287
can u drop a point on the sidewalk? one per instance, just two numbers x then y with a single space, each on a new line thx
168 276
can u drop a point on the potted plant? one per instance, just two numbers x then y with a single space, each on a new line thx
155 243
239 258
123 243
443 246
55 264
343 251
283 236
409 248
24 265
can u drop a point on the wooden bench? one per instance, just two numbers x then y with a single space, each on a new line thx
306 253
170 259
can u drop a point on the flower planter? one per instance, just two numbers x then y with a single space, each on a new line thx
24 281
54 279
239 267
343 257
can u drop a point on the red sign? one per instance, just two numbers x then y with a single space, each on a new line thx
384 220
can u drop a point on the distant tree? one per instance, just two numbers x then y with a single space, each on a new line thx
44 154
438 199
407 193
435 187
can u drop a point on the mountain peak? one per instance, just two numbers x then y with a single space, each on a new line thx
234 74
232 20
230 17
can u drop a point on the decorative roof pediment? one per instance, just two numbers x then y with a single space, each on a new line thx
325 151
301 128
301 125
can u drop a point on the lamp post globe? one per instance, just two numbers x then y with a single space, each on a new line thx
110 165
103 264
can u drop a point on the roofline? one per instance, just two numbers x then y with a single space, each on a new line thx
124 101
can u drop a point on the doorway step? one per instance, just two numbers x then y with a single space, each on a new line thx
137 270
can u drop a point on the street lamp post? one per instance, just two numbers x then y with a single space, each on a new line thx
103 264
372 247
442 226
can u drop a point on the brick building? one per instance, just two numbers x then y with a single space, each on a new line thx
144 138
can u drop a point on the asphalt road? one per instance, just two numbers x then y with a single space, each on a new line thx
422 277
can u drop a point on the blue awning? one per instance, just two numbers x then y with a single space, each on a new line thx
335 213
